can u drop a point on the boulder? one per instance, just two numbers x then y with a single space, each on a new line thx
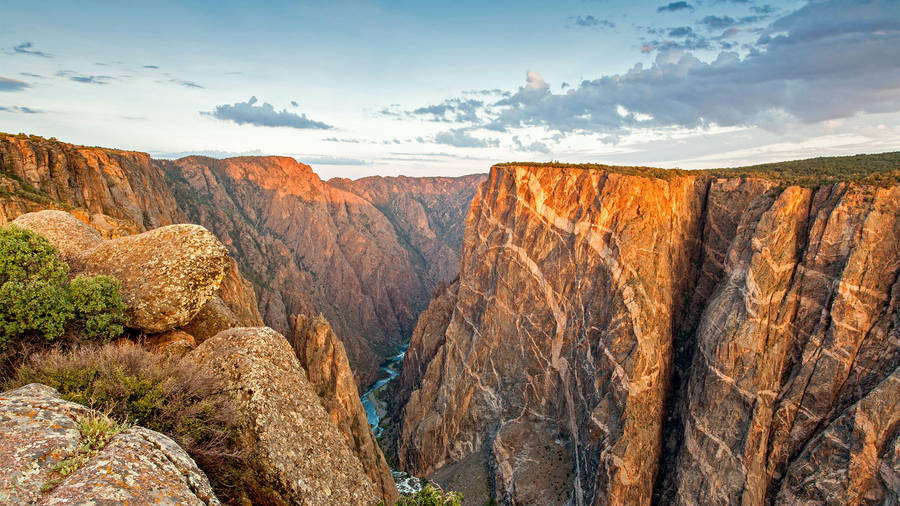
174 343
168 274
70 236
293 444
38 429
213 317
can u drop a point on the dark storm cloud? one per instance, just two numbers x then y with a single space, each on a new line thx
264 114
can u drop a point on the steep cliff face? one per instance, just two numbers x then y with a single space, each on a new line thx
322 355
311 246
702 339
111 189
428 214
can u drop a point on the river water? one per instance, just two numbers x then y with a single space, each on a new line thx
390 367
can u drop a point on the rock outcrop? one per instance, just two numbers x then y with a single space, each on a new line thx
168 274
696 339
70 236
291 440
38 430
323 357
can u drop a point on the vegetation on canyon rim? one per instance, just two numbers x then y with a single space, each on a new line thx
877 170
38 300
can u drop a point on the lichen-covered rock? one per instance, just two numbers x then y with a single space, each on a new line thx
167 274
292 442
322 354
213 317
71 236
38 429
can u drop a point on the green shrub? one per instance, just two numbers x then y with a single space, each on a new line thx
34 295
98 305
431 496
135 386
37 299
26 256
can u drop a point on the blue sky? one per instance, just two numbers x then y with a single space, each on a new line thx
446 88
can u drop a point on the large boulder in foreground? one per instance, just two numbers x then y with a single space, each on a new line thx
71 236
292 442
168 274
323 356
38 429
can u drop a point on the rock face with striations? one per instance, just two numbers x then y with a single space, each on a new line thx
691 338
38 429
323 357
293 444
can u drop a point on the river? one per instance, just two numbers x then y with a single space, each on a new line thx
373 406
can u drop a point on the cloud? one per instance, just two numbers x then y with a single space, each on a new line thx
675 6
186 84
335 139
451 110
681 31
827 60
331 160
263 115
26 49
85 79
533 147
9 84
20 109
461 139
713 23
211 153
591 22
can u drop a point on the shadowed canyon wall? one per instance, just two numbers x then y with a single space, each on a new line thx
679 337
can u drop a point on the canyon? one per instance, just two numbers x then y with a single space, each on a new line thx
636 336
577 334
365 254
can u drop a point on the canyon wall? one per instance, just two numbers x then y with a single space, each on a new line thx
625 336
364 253
311 246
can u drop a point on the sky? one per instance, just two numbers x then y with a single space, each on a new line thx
363 87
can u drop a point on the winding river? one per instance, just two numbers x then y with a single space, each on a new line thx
372 405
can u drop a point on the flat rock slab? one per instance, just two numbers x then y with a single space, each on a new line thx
38 429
